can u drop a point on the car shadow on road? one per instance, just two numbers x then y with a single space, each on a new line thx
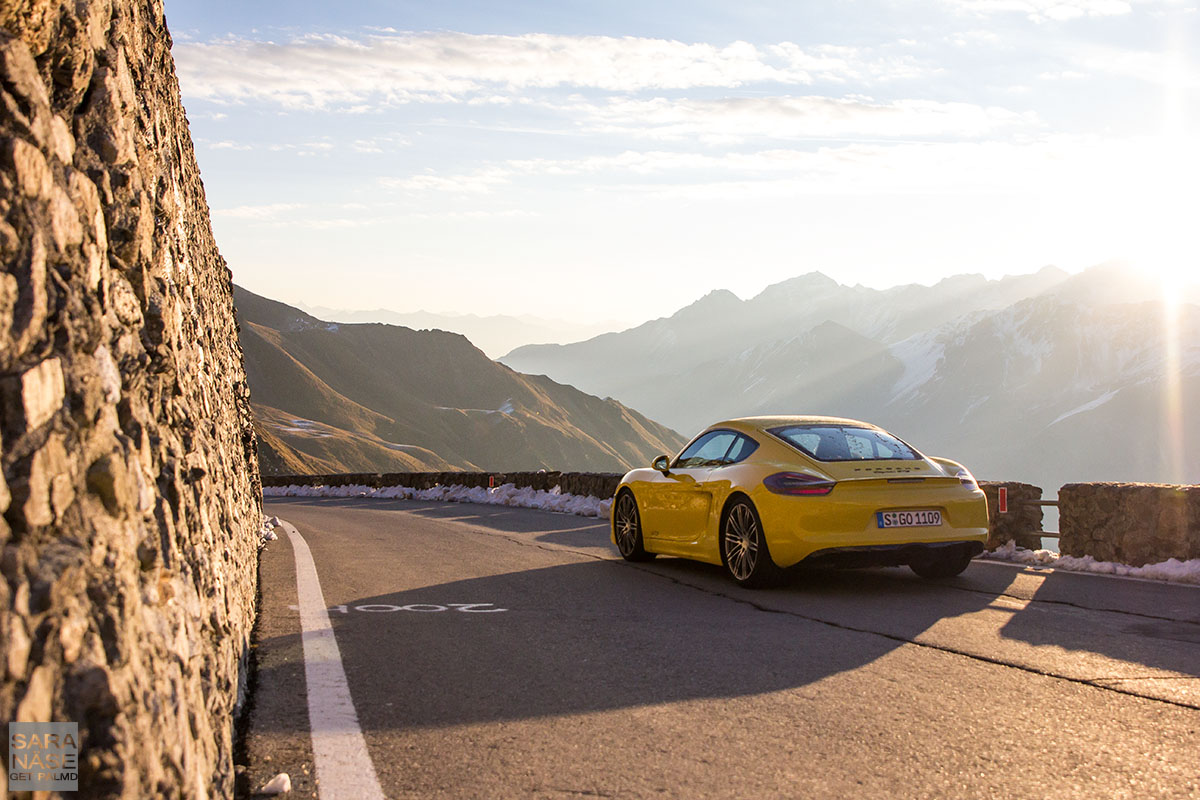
1147 624
594 636
1140 623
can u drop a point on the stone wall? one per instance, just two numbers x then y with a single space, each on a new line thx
130 495
1131 523
1022 520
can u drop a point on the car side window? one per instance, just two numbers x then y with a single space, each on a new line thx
707 451
742 448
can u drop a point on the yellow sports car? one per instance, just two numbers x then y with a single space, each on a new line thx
761 494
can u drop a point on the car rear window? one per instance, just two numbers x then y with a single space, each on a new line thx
845 443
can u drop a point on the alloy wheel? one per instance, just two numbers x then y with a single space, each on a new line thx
626 524
741 541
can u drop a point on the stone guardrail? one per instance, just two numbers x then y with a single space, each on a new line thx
1021 521
1130 523
595 484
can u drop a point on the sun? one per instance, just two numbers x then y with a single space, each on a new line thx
1163 205
1174 252
1166 199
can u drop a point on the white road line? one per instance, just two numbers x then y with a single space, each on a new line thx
344 767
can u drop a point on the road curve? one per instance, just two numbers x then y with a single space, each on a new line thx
501 652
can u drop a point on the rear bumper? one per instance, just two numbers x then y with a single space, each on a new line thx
891 555
800 528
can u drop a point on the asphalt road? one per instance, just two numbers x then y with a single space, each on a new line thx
606 679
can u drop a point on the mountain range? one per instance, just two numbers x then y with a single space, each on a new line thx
331 397
494 334
1047 378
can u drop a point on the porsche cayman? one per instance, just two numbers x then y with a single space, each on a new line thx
761 494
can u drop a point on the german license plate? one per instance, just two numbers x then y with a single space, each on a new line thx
908 519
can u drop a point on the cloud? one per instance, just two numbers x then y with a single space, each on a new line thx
811 117
380 144
320 70
1163 68
1046 10
225 145
319 147
335 223
1053 168
479 182
1063 75
512 213
258 213
841 63
1063 164
305 215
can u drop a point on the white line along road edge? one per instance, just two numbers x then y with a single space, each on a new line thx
344 767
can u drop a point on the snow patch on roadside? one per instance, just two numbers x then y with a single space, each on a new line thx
1171 571
504 495
266 530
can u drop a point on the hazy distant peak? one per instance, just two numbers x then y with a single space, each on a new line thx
494 334
1115 283
1048 272
720 296
807 283
966 281
1108 271
714 302
832 328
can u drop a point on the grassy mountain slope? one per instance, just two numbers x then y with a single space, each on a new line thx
365 397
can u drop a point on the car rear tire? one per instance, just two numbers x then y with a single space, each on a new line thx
942 566
744 550
627 529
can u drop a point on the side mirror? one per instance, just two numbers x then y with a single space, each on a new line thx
662 464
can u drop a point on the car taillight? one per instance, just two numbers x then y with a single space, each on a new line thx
966 478
797 483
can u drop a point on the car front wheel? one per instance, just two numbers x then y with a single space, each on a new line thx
627 529
744 548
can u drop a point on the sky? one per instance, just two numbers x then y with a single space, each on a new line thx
615 161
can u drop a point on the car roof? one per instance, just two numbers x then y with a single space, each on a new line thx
765 423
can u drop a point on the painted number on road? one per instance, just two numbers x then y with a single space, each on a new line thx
421 608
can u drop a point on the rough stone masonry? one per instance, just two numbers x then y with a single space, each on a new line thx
130 494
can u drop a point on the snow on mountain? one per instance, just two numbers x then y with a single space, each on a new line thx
1054 390
1088 406
920 354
